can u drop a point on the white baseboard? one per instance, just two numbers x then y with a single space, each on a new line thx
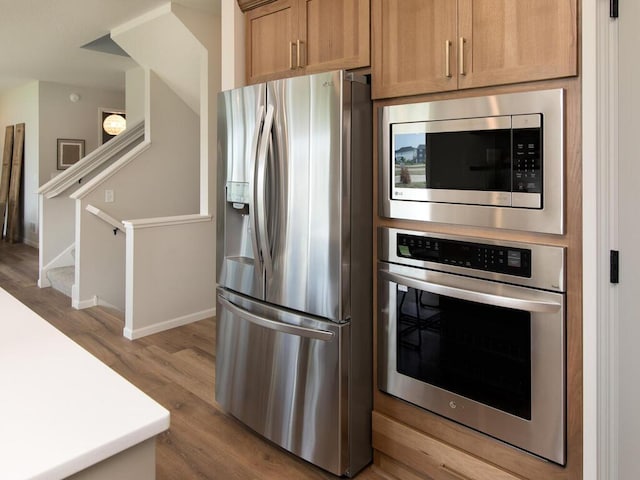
92 302
135 333
102 303
43 282
31 243
81 304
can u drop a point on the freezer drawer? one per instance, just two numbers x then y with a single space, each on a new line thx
285 376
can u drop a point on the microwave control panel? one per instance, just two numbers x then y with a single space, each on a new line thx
490 258
527 160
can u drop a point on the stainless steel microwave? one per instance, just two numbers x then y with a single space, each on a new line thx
492 161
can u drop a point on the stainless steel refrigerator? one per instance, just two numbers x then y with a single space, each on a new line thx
294 265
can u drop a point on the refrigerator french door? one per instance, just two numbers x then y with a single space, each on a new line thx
294 321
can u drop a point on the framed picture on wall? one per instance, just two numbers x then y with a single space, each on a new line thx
69 152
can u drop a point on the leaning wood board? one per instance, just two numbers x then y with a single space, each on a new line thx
5 175
13 215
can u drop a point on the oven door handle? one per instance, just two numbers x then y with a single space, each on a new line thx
515 303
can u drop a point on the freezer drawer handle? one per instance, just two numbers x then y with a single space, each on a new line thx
473 296
323 335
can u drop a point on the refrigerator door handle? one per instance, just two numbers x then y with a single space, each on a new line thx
253 217
261 178
311 333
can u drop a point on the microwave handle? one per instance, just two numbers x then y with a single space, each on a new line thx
473 296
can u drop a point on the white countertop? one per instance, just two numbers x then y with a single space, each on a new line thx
61 409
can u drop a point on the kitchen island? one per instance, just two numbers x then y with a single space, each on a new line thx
63 413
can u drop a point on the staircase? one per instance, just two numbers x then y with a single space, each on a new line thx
159 189
57 209
62 279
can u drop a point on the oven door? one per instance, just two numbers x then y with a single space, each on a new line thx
488 355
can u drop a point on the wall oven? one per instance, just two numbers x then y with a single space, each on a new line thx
493 161
474 330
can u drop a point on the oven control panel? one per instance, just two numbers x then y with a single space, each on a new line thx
478 256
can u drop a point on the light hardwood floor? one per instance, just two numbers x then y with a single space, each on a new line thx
177 369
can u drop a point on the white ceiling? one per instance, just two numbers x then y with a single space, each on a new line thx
42 39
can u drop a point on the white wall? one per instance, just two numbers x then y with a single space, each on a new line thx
164 179
629 241
161 181
134 95
21 105
168 274
170 264
48 114
611 173
232 61
206 30
160 41
62 118
591 271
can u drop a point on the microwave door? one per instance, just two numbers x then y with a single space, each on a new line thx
429 174
453 161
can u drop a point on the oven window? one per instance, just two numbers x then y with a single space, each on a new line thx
479 351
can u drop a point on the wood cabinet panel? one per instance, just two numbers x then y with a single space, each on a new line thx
509 41
410 49
297 37
270 31
398 470
335 33
427 46
468 441
426 454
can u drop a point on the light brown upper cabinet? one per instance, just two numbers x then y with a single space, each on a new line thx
296 37
424 46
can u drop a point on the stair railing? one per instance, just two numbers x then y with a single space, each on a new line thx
102 215
93 160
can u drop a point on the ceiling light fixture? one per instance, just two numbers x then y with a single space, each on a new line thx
114 124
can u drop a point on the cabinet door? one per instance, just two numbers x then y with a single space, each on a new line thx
413 47
509 41
335 34
271 34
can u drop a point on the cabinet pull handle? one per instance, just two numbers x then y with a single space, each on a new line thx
461 43
447 58
291 52
299 57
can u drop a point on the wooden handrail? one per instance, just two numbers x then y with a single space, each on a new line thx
116 224
88 163
156 222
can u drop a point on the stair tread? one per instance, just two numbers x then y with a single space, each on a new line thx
62 279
